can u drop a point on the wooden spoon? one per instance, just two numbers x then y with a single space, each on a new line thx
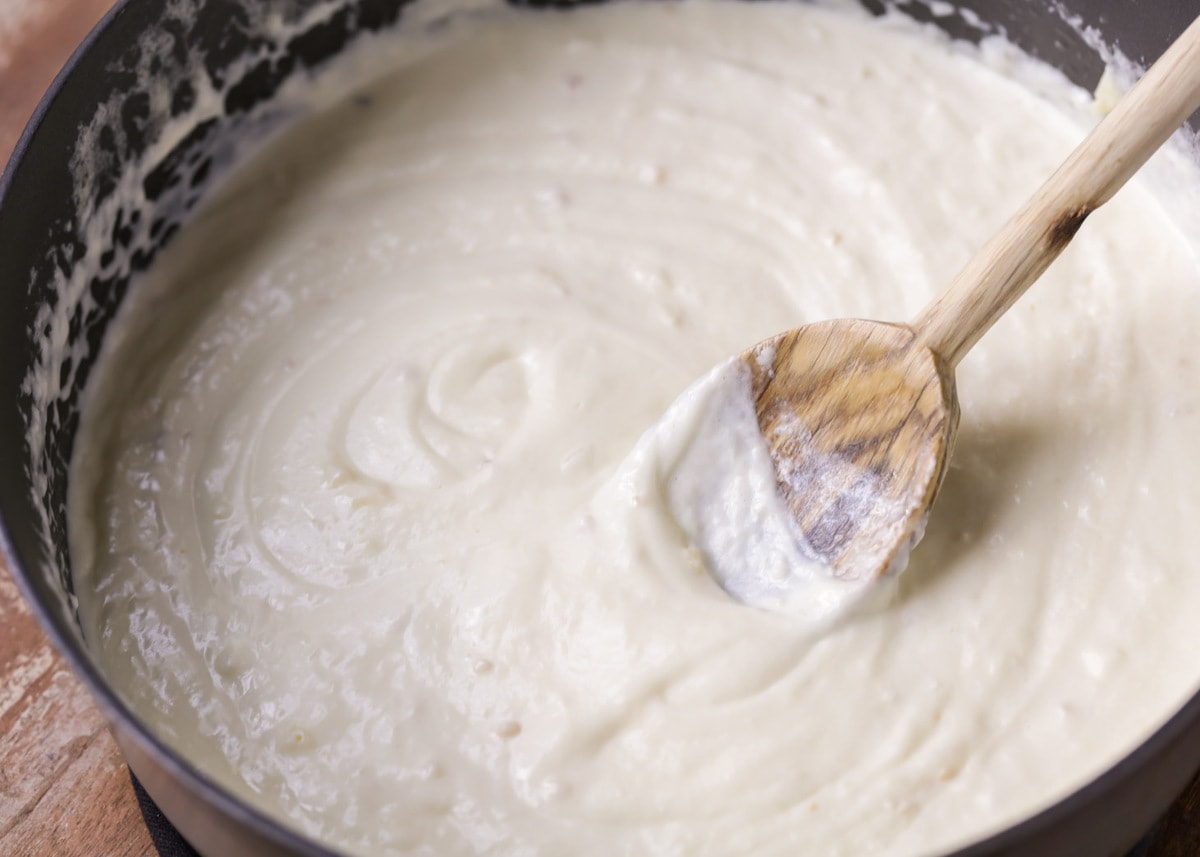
860 416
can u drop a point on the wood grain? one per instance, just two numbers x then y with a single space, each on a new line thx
860 420
64 791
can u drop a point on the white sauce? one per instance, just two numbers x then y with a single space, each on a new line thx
709 458
356 522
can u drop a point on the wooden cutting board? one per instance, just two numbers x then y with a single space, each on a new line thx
64 791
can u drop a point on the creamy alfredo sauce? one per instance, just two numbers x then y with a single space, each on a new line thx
358 530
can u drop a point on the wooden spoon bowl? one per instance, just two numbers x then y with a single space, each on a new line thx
864 416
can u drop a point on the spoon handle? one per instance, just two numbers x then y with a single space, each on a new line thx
1009 263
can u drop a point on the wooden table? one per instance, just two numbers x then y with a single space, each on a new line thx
64 790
